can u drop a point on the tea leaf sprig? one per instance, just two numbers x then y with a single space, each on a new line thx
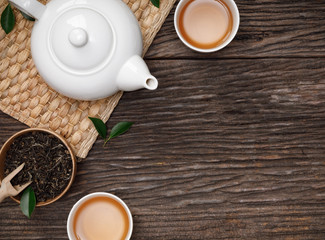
29 18
8 19
156 3
116 131
28 202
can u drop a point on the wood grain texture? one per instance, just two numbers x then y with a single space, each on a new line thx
268 28
212 155
230 146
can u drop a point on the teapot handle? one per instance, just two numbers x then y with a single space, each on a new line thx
32 8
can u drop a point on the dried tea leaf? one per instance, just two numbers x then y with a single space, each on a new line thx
48 164
28 202
100 126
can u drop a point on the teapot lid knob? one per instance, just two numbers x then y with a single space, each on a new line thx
78 37
80 40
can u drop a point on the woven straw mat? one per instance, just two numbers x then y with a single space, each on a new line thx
25 96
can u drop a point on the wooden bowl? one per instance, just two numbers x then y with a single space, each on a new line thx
7 144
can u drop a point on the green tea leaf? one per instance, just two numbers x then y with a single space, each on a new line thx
156 3
100 126
28 202
29 18
119 129
7 19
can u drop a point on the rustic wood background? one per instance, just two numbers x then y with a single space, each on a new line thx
231 145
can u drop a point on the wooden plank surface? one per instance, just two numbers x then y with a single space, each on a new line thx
268 28
231 145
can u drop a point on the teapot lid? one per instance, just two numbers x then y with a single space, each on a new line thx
82 43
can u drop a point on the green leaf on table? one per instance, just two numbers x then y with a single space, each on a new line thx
100 126
156 3
7 19
28 202
29 18
119 129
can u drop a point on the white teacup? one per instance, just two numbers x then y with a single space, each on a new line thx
87 201
235 25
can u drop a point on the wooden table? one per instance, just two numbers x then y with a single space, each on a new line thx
231 145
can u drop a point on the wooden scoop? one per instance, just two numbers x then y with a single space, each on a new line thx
7 190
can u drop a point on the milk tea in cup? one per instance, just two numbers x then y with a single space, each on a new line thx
206 25
100 216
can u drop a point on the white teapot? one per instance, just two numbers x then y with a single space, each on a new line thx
87 49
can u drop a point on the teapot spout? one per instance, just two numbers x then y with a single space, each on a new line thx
134 75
